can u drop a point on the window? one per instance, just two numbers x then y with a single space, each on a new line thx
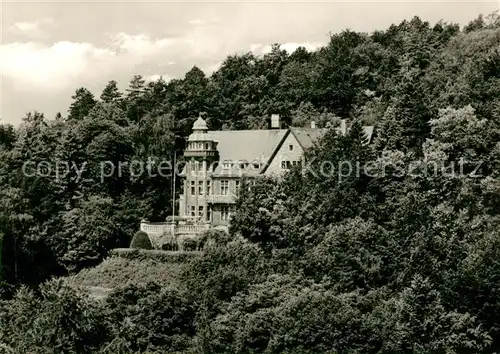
224 187
283 165
237 186
226 165
206 146
209 214
256 165
193 188
200 187
290 147
224 213
208 187
193 210
200 211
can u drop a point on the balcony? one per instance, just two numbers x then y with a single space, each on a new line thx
200 153
221 198
158 229
191 229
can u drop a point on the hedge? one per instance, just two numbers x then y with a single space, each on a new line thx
158 255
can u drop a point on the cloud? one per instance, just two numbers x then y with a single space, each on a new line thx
35 66
197 22
255 48
32 66
155 77
25 26
141 45
31 28
211 68
203 22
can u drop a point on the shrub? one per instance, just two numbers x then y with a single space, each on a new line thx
213 238
141 241
189 244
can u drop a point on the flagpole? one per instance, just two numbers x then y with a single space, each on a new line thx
173 196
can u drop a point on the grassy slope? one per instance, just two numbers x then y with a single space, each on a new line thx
122 269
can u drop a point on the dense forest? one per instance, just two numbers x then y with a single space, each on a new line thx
374 263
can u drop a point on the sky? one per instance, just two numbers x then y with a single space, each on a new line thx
49 49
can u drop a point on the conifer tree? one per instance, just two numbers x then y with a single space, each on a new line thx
83 102
111 93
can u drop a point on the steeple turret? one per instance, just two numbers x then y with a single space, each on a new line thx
200 142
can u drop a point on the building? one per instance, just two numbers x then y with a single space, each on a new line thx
216 161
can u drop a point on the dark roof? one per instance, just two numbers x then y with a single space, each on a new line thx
246 145
307 136
261 146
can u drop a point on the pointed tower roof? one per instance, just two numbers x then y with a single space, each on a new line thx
200 124
200 130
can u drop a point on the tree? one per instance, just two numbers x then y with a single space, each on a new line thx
260 214
87 234
83 102
7 136
475 24
188 97
417 321
304 115
136 88
151 318
135 99
55 318
288 314
111 93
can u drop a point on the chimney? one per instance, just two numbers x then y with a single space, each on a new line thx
275 121
313 124
343 126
